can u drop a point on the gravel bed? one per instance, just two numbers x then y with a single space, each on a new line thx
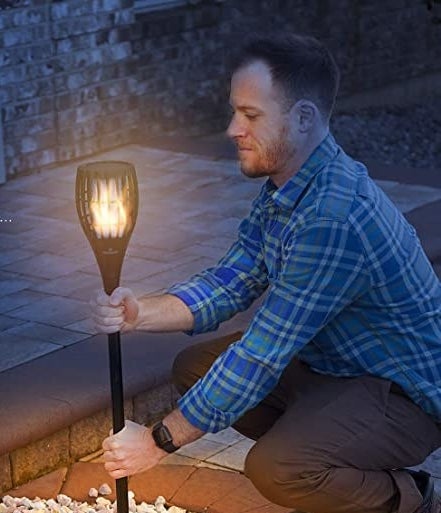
64 504
406 135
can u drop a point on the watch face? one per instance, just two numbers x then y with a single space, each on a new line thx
163 438
163 435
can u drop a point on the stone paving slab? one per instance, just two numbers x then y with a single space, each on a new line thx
233 457
13 282
18 299
47 333
202 449
55 311
18 349
9 322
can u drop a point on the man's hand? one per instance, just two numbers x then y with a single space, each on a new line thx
130 451
122 311
117 312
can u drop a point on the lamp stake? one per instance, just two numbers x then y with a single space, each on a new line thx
106 195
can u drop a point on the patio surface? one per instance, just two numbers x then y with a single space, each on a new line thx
191 203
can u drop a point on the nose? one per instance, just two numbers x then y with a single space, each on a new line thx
235 128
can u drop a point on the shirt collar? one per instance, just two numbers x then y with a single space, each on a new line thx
286 196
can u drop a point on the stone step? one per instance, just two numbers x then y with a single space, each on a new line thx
57 409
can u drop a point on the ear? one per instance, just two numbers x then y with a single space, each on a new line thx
306 114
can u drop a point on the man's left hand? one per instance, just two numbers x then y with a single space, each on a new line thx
130 451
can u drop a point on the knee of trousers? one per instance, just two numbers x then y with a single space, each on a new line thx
283 481
184 369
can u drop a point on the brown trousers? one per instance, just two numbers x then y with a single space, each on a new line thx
327 444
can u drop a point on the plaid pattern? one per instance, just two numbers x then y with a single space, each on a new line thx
349 291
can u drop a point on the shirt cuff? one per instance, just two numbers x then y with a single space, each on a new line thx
201 413
200 306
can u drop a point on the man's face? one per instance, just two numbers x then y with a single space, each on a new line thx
260 126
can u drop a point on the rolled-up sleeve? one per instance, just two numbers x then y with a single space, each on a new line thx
323 270
218 293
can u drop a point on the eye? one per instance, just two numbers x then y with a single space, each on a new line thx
251 117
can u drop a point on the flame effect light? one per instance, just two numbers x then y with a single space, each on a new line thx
108 210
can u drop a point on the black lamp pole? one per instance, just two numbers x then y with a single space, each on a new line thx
106 195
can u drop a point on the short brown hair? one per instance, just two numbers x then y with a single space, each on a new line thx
301 65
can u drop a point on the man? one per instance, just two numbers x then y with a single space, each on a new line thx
338 376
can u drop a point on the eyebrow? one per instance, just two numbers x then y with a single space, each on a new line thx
243 108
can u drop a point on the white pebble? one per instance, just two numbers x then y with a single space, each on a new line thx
131 494
93 492
9 501
105 489
53 505
101 501
64 500
81 508
175 509
132 506
24 501
159 500
145 508
3 508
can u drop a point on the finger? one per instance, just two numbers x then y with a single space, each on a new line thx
111 466
108 456
113 456
106 320
102 298
119 295
107 329
105 445
118 474
110 444
108 311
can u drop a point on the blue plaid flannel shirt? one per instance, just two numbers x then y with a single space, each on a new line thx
350 292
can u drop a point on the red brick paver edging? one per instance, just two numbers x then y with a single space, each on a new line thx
198 490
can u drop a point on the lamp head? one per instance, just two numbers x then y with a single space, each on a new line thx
106 195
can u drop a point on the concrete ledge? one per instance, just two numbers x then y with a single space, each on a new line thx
56 409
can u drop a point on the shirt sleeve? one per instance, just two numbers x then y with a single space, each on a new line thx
323 270
218 293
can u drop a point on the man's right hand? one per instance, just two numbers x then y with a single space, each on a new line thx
117 312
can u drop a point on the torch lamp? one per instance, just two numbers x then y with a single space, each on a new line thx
106 195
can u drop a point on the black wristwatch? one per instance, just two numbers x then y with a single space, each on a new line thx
162 437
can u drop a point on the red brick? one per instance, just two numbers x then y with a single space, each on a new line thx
206 486
244 498
165 480
84 475
45 487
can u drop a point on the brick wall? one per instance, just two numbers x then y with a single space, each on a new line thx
67 85
82 76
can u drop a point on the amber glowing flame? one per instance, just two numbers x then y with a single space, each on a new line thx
108 209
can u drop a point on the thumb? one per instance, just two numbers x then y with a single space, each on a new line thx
119 295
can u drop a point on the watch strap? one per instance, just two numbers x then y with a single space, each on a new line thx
163 438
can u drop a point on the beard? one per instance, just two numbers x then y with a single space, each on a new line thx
269 159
